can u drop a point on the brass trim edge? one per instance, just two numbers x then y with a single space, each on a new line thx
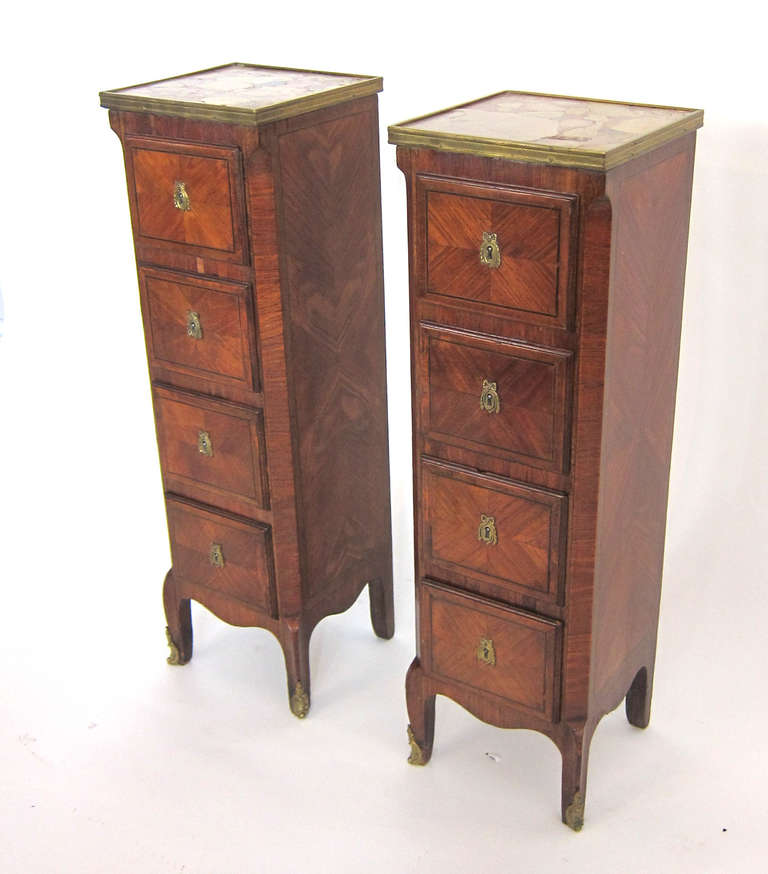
558 156
237 114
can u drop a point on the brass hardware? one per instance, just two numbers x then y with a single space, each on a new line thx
487 530
490 254
417 756
194 328
408 134
122 99
175 657
299 702
180 196
216 555
204 443
574 813
486 652
489 398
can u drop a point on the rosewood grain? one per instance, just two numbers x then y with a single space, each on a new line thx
616 331
259 253
532 231
528 417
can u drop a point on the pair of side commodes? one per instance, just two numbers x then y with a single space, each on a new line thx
547 241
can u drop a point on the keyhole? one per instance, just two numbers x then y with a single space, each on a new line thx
490 252
487 532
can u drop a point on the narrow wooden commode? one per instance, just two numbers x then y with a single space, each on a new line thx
255 203
548 242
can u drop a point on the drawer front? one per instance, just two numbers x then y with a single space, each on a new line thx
493 649
187 196
200 327
495 530
230 556
502 248
498 397
219 445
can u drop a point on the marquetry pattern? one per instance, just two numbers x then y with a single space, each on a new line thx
259 251
224 347
209 220
522 667
230 454
639 413
333 324
528 273
595 525
528 525
241 567
532 385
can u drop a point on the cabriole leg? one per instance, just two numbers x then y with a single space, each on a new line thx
178 617
295 642
421 712
575 752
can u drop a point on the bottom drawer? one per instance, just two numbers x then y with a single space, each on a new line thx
491 648
231 556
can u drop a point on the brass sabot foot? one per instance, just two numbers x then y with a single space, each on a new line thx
299 702
417 756
574 813
175 656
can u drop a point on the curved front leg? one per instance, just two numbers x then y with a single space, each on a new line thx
178 617
421 712
575 752
295 642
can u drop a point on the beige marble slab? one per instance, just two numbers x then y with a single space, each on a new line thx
241 93
548 128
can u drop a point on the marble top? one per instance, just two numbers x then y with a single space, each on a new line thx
550 129
241 93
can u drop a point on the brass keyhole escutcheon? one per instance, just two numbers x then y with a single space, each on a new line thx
490 254
486 652
194 327
216 555
204 443
486 532
489 397
180 196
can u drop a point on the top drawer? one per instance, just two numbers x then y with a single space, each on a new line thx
187 196
501 248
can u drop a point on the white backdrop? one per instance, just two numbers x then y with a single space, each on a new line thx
110 761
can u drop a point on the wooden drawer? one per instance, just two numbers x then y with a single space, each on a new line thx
495 396
220 446
199 327
230 555
526 266
186 196
493 530
492 649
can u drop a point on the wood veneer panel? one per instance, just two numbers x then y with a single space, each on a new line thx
651 204
533 386
213 225
525 649
529 525
534 232
333 286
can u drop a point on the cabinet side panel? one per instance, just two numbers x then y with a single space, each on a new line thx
334 309
651 201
